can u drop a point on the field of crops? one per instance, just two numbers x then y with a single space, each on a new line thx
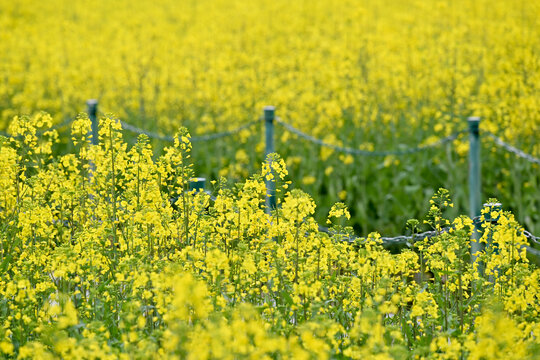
105 253
372 75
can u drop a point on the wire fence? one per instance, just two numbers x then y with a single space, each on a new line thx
64 123
409 240
511 149
269 120
531 237
202 138
400 240
343 149
150 134
358 152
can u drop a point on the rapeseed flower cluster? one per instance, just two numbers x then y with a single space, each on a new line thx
106 253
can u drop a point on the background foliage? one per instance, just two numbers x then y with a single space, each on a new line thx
367 74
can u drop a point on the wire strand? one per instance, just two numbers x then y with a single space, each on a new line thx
499 142
202 138
358 152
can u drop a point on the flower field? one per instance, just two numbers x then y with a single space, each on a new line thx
105 253
371 75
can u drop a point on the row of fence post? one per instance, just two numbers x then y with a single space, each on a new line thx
475 188
269 116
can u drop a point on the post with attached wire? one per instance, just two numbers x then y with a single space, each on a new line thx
269 116
474 181
92 114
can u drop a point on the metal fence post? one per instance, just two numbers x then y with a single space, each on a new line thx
474 181
269 116
92 114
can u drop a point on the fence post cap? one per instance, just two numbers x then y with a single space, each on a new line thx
91 102
197 179
197 183
493 206
269 113
474 123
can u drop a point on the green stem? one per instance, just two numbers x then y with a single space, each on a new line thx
113 191
297 255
